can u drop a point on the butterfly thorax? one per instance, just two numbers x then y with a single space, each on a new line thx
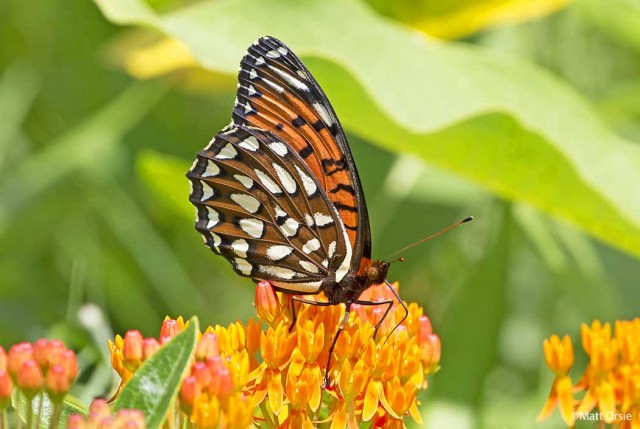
350 288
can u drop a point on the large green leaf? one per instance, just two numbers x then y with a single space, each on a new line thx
507 126
156 383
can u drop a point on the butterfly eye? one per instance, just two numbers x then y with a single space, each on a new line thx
373 273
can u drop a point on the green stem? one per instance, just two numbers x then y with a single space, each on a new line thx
55 416
4 421
29 419
40 409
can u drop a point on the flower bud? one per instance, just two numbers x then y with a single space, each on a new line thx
30 378
207 346
132 350
3 359
424 330
69 362
130 419
76 421
6 387
266 301
149 347
189 390
40 352
431 350
18 355
170 328
558 354
57 383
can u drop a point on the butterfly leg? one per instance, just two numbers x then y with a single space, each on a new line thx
404 306
387 302
295 299
345 318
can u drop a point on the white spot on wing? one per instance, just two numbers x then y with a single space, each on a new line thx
253 227
250 143
211 170
309 267
227 152
242 266
246 181
279 211
311 246
240 247
332 249
303 287
280 272
260 61
253 74
268 182
271 54
247 202
308 219
273 85
251 90
207 191
247 107
344 267
278 252
308 183
278 148
322 111
290 228
322 219
213 216
285 178
291 80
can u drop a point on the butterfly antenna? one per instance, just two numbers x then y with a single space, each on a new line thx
450 227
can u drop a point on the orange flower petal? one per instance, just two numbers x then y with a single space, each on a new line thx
371 398
565 400
275 392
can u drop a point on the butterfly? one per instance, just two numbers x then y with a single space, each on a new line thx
277 191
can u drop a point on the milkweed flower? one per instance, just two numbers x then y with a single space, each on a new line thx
267 373
611 380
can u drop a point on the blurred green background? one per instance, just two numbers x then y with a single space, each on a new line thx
525 114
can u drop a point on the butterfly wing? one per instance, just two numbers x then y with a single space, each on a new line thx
276 92
259 205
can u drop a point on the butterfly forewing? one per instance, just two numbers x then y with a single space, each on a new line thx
259 205
277 93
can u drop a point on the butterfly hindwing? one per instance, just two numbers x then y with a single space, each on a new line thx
277 93
260 206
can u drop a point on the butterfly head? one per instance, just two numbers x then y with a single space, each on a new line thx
377 272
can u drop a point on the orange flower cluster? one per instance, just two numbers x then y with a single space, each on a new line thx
611 381
100 416
262 374
45 366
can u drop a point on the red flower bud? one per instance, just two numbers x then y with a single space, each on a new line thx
30 378
170 329
189 390
57 383
3 359
18 355
76 421
267 303
149 347
6 387
132 350
424 330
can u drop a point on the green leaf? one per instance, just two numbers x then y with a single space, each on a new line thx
505 125
70 406
156 383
